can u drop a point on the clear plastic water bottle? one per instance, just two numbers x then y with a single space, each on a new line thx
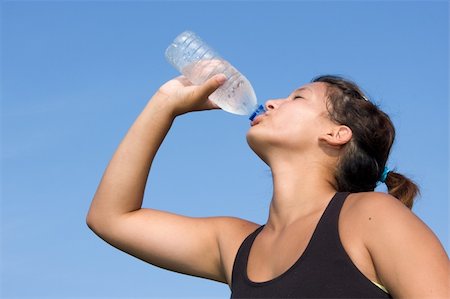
198 62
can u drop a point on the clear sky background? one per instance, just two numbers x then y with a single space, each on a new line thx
75 75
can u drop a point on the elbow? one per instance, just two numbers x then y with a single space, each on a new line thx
90 221
96 224
95 216
95 219
99 221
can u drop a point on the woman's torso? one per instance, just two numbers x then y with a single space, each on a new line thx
272 258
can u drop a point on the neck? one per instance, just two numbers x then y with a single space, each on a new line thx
301 186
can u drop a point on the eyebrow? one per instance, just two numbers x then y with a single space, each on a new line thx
301 89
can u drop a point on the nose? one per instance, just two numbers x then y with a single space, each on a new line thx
273 104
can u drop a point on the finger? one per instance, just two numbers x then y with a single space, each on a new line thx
207 88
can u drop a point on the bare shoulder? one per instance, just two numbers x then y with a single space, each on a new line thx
380 213
231 232
399 244
235 225
376 203
377 211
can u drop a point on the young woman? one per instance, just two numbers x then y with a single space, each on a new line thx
328 235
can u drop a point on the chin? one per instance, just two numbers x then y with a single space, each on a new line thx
252 136
257 143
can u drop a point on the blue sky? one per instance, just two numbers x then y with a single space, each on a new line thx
75 74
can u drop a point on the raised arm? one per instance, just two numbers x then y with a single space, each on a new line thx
183 244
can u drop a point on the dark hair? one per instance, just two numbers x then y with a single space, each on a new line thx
365 155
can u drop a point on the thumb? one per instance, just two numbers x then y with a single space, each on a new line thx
207 88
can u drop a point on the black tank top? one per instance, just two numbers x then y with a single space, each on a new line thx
323 271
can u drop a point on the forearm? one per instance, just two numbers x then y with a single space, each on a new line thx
122 187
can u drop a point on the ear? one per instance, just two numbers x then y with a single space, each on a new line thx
337 136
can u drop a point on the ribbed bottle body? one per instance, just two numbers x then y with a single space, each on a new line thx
198 62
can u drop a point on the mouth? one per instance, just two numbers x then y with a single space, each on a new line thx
257 120
258 111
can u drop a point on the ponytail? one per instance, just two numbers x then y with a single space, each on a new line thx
402 188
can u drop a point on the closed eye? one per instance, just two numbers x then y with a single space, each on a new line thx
298 97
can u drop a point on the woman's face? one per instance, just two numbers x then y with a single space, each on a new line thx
293 123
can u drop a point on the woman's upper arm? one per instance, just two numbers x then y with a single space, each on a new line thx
193 246
408 257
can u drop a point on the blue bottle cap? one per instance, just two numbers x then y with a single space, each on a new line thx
257 112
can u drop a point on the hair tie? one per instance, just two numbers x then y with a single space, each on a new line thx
384 175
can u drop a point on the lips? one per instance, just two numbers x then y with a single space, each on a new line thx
257 120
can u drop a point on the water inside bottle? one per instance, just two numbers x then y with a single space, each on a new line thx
239 99
236 95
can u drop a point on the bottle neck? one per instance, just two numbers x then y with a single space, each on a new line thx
259 110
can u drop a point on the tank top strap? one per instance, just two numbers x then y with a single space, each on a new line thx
240 261
326 235
331 214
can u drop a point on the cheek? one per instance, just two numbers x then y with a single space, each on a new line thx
293 123
300 130
288 129
267 136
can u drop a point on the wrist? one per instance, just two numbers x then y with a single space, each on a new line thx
161 104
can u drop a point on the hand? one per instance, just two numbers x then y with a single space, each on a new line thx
183 97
